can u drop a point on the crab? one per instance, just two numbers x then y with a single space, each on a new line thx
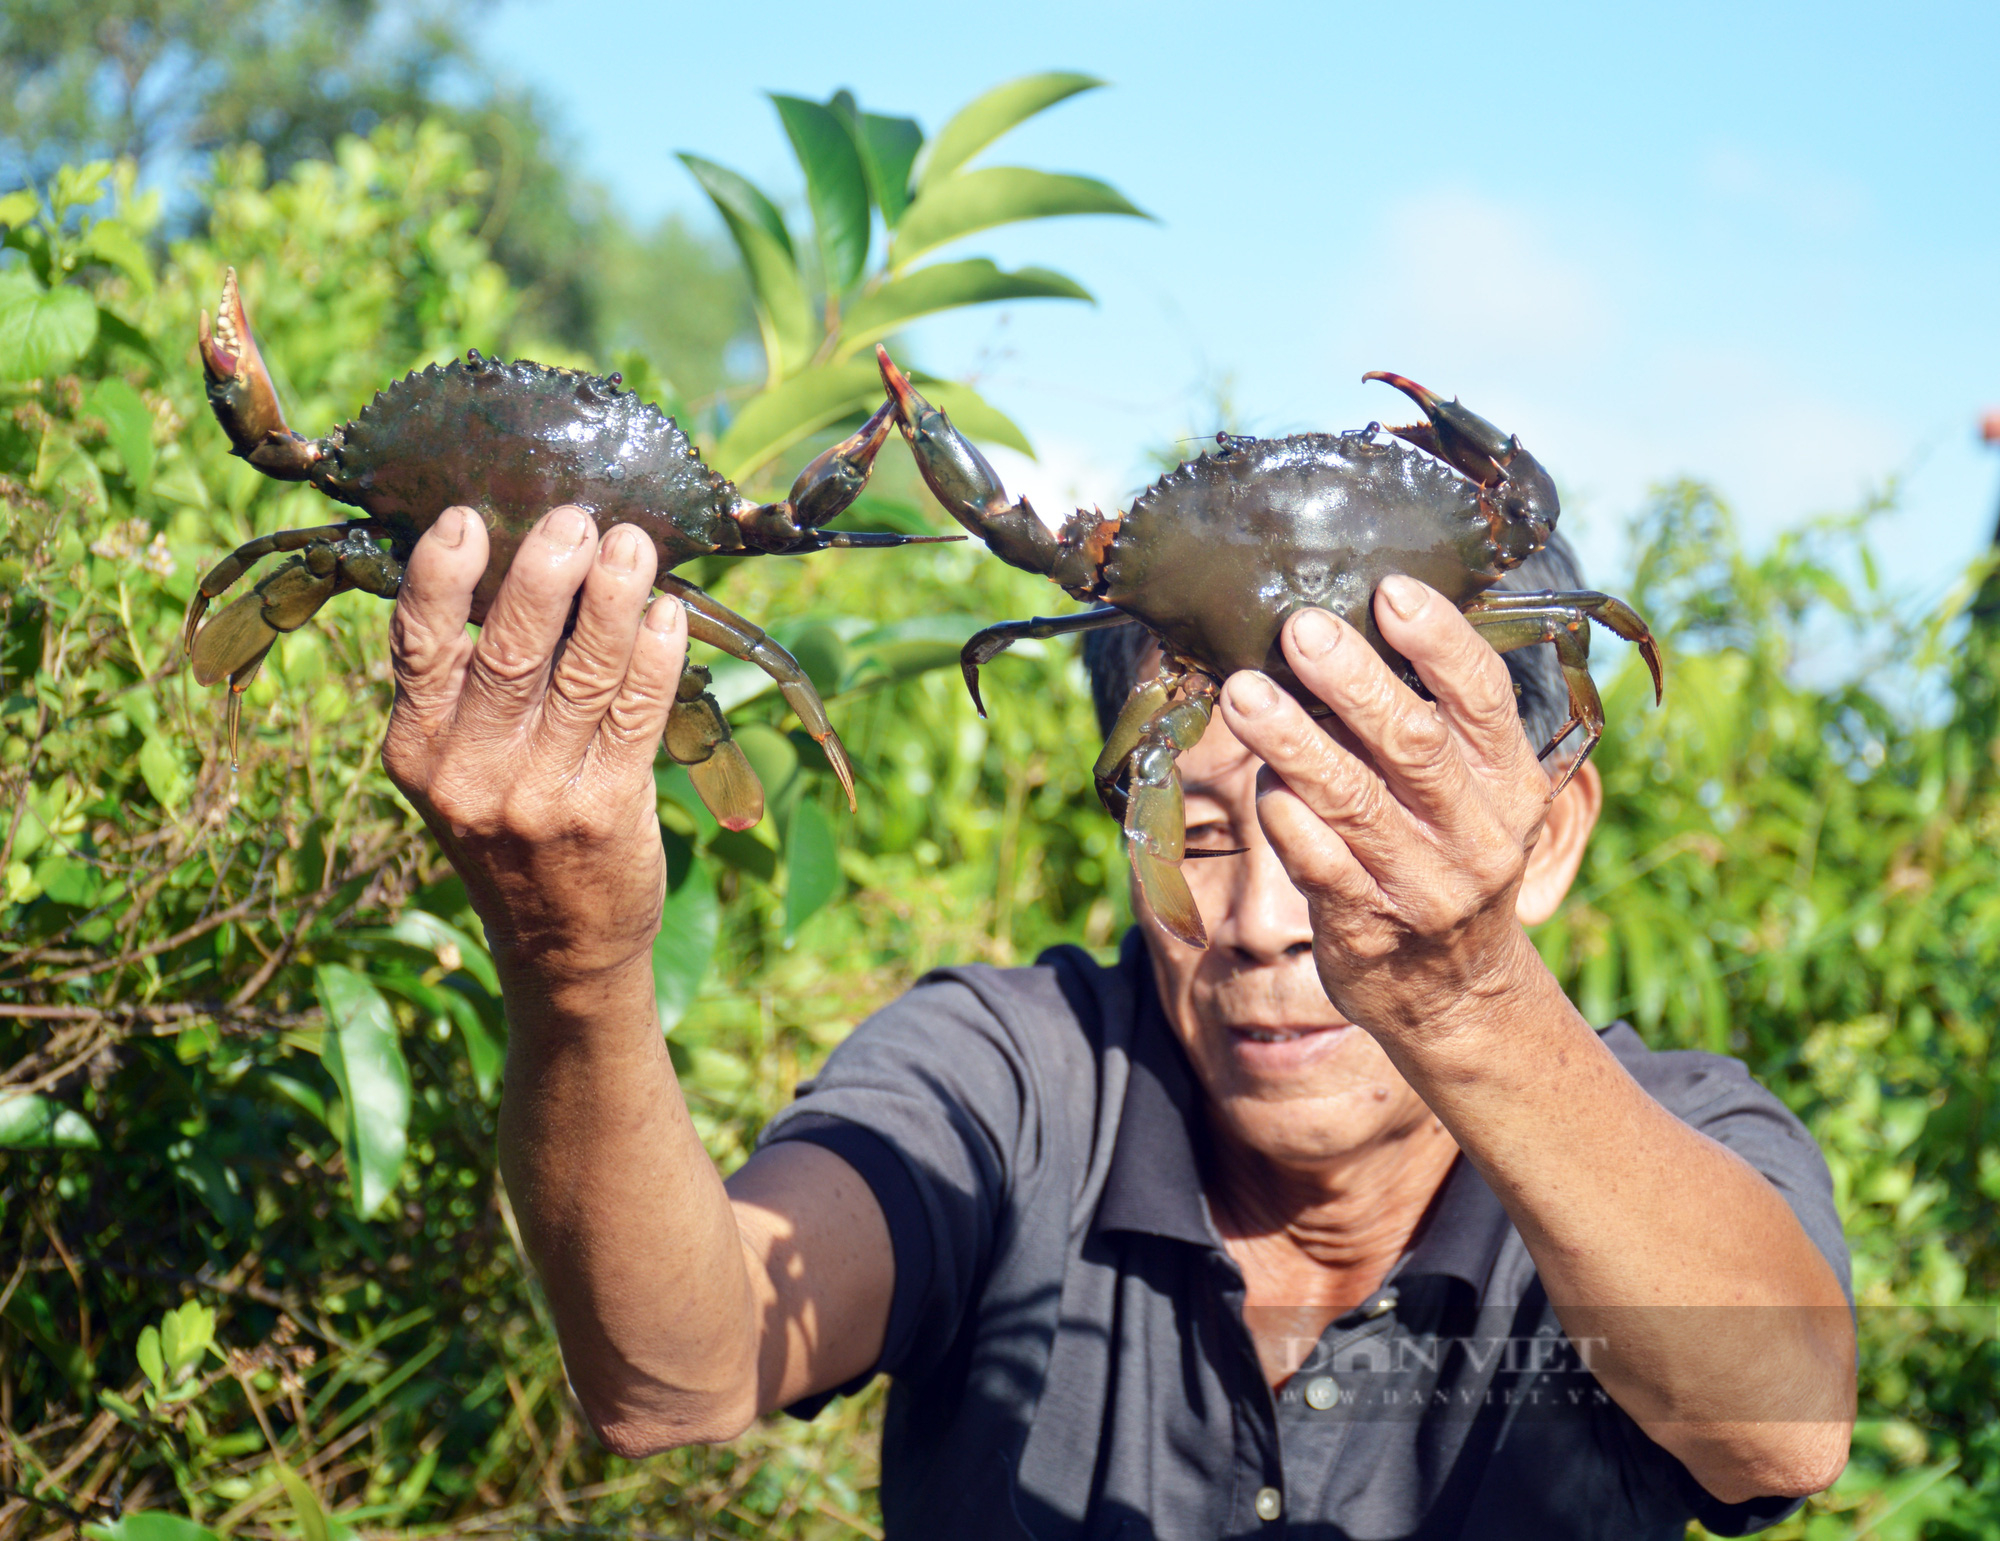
1216 555
512 440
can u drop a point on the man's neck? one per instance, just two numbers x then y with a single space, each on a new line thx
1314 1242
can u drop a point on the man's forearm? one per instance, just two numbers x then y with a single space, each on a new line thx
1714 1320
624 1213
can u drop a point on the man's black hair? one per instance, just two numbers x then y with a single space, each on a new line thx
1112 656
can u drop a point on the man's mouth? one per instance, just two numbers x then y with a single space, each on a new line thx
1283 1034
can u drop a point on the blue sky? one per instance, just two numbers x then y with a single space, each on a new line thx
1756 244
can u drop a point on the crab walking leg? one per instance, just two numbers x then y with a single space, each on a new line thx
719 626
985 646
242 559
1514 620
232 646
1148 699
698 737
1156 813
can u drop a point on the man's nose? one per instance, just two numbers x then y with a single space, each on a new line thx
1264 918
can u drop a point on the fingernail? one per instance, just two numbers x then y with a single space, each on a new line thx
1251 694
450 527
662 614
1313 633
620 551
566 527
1406 596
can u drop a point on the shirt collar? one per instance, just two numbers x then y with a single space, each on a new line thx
1154 1185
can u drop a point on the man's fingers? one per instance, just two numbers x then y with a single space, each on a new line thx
510 665
593 666
1457 666
428 647
1316 859
1340 790
632 725
1409 741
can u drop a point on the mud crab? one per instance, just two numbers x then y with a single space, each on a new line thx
1218 553
513 440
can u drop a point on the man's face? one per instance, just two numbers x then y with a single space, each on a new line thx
1285 1074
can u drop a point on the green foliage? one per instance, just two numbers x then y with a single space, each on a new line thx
250 1041
815 315
227 1001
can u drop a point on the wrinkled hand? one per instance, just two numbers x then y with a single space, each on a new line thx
530 758
1411 851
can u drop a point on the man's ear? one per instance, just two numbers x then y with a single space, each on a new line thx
1566 831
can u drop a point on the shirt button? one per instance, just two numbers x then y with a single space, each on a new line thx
1321 1393
1270 1503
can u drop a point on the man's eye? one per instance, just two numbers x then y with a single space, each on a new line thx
1208 832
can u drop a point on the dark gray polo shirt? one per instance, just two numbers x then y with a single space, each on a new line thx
1066 1344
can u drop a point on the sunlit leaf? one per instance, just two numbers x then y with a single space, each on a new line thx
128 425
364 1055
42 330
18 207
150 1525
987 116
689 924
999 195
946 286
812 863
888 149
306 1508
109 241
31 1121
836 187
784 315
164 771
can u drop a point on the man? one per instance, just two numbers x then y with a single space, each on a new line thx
1171 1249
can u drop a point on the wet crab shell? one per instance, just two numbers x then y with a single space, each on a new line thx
512 440
1217 554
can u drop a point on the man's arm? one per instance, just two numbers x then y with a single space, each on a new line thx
1723 1331
684 1307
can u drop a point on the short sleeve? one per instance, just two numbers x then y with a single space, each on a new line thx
931 1100
1718 1096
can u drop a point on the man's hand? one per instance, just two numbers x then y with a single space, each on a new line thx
1410 840
529 756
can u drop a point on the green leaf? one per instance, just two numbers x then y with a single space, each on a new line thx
888 149
306 1507
975 417
742 850
18 207
784 316
30 1121
362 1053
812 863
690 921
152 1359
836 187
453 948
42 330
774 420
109 241
986 117
904 649
946 286
113 328
128 425
150 1525
1000 195
165 775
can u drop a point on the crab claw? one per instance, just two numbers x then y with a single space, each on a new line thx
835 476
241 393
1467 442
960 478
